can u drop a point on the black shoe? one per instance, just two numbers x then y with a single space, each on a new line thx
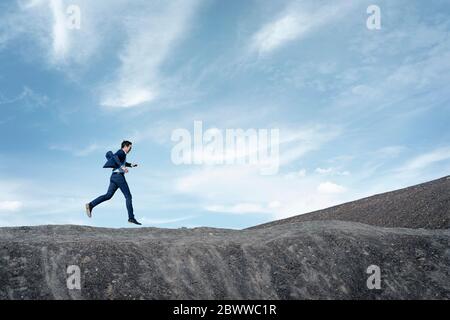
134 221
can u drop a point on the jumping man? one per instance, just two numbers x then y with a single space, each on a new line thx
118 162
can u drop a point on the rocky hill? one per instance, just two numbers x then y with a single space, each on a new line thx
425 205
315 256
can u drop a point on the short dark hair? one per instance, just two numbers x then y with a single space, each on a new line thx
126 143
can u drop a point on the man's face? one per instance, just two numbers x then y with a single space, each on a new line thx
128 149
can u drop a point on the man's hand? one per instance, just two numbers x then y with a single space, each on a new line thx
125 169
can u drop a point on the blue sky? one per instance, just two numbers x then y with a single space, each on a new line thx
359 111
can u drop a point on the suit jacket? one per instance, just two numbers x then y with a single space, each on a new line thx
116 160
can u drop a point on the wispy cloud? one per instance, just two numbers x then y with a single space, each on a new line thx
152 35
331 171
59 28
427 159
295 143
45 22
279 32
31 98
244 208
155 221
78 152
294 23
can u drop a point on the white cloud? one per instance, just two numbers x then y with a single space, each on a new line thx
296 174
26 202
424 160
152 35
11 200
10 206
59 30
44 22
155 221
274 204
330 187
29 96
27 4
331 171
295 143
78 152
324 171
276 33
390 151
240 208
295 22
127 96
246 208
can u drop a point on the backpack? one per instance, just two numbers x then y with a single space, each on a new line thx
109 155
110 163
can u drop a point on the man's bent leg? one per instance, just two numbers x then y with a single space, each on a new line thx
109 194
123 185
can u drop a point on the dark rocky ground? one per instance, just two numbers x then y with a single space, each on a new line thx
295 258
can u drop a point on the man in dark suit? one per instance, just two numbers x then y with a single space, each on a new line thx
119 165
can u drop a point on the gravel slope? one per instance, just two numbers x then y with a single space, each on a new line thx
425 205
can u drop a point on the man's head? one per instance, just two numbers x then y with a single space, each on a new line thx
126 146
